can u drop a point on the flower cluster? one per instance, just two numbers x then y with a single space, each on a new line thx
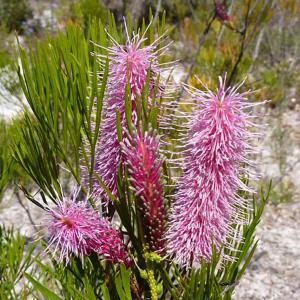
76 228
206 201
212 157
141 155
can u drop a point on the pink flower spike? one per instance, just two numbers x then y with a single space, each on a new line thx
127 62
206 203
75 228
144 164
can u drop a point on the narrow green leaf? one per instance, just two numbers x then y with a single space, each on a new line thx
125 274
118 125
105 291
128 107
109 193
45 291
119 287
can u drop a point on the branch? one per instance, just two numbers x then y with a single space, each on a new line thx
246 41
202 39
26 210
242 48
157 10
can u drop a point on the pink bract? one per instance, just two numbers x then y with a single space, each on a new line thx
144 163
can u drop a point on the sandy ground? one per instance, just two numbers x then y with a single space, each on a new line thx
20 216
274 272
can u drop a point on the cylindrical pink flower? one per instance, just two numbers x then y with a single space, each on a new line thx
144 163
206 202
73 227
131 63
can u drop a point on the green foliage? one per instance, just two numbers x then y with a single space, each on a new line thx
39 287
15 258
277 54
4 56
122 282
83 10
282 192
9 170
14 13
6 163
59 80
93 281
212 46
